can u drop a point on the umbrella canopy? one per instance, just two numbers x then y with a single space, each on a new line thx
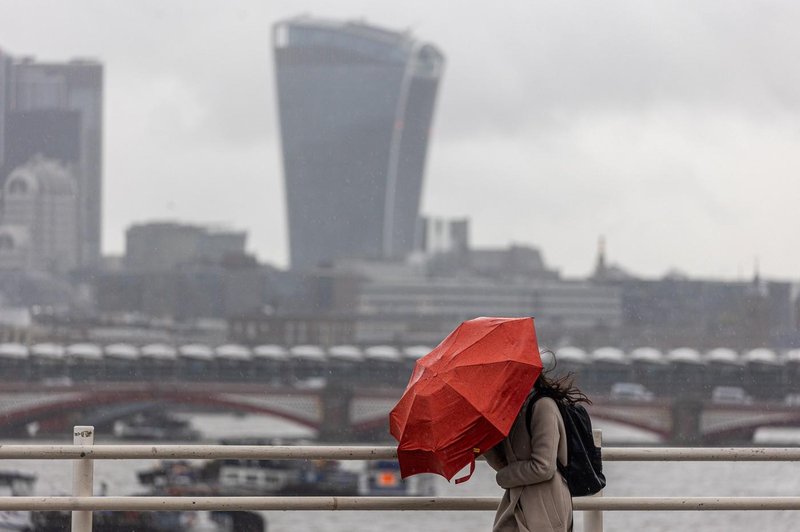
464 395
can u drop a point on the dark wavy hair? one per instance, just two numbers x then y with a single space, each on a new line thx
561 388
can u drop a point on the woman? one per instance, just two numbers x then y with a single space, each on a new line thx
537 498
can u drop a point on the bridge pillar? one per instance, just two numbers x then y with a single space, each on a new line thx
335 405
686 414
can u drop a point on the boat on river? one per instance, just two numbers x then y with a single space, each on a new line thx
21 484
238 477
141 521
155 427
14 483
250 477
382 477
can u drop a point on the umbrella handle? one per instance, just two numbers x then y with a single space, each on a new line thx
471 471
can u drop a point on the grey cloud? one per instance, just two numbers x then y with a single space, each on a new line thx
552 63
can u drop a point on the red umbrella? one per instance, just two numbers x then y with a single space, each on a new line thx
464 395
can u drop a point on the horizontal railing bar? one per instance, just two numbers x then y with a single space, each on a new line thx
686 503
253 452
289 452
701 454
385 503
248 503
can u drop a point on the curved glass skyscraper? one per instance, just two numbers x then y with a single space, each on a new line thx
355 104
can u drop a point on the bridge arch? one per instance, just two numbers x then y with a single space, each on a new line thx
745 430
88 405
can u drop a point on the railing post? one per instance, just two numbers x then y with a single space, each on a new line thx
82 478
593 519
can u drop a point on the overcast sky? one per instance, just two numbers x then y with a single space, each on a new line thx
670 127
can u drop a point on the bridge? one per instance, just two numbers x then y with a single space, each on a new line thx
342 413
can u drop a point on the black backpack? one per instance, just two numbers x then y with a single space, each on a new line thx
584 470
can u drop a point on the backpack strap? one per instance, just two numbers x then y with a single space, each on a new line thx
531 402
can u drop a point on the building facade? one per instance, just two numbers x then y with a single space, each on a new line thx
163 246
560 304
5 91
675 312
356 104
292 329
39 218
202 291
56 110
440 235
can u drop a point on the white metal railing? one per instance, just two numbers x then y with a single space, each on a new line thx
82 477
84 452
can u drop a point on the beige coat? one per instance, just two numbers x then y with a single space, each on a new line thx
537 498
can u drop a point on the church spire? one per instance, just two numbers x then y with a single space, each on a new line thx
600 266
756 272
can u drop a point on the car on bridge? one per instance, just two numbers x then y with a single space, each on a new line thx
730 395
792 399
630 391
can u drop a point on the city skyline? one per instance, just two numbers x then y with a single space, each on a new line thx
665 133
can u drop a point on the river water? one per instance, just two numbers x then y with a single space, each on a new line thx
693 479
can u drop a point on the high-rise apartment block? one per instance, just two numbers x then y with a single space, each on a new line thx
55 110
356 104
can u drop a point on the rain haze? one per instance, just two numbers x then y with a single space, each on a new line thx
289 222
669 128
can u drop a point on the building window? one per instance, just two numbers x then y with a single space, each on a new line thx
302 332
18 186
289 333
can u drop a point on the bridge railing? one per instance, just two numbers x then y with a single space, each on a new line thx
84 452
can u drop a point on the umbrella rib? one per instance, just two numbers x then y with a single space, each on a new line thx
476 340
482 338
470 403
488 364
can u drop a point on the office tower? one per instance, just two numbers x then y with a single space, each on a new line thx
56 110
355 104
